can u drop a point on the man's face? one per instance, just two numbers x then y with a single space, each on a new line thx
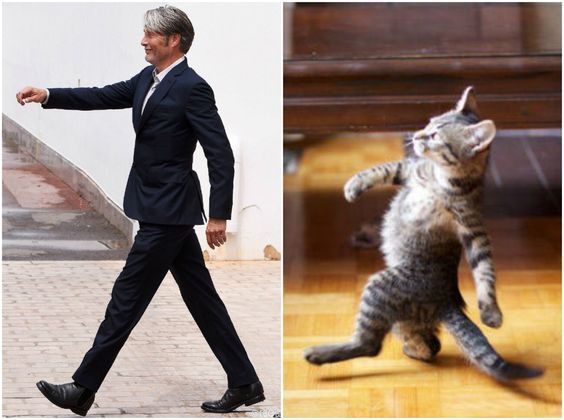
157 47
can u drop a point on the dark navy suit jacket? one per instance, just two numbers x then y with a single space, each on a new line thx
162 187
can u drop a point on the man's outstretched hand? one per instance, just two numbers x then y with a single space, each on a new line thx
215 232
31 94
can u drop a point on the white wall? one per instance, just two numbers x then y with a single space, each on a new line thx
237 49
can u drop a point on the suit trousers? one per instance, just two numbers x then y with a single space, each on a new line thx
156 250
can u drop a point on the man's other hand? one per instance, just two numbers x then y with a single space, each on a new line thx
31 94
215 233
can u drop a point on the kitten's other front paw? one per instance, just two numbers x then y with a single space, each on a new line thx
352 189
491 315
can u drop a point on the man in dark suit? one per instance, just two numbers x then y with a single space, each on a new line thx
173 108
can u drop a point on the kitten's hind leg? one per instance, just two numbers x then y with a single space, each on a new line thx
332 353
373 322
419 341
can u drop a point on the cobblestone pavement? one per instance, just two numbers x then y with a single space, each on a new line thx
52 309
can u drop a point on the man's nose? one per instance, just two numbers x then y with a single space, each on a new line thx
143 41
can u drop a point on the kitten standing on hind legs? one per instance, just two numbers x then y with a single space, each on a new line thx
434 217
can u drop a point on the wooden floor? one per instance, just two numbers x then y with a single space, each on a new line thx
324 276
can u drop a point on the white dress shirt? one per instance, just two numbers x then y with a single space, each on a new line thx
157 78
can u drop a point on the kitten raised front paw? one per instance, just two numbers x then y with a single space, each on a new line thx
491 316
352 189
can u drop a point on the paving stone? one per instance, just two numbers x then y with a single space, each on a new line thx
52 309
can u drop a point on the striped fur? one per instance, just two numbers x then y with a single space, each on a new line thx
434 217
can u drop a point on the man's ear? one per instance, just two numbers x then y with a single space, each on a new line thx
481 135
175 39
467 102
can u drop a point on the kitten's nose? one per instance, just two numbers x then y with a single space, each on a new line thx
420 135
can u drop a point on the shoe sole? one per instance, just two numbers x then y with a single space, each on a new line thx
80 411
250 401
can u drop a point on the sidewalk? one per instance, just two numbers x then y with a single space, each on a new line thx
52 309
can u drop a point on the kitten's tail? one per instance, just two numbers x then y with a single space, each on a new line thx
475 345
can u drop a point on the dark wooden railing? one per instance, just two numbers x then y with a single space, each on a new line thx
389 67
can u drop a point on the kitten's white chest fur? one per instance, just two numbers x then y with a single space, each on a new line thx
415 212
422 209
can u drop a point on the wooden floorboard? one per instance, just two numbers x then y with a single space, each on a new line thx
324 275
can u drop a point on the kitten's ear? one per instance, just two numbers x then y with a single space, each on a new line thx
467 103
481 135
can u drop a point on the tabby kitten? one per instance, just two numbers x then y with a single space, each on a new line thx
434 216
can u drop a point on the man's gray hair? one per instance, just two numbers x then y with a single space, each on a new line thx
169 20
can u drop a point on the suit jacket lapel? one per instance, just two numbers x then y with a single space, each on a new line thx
156 97
143 87
161 91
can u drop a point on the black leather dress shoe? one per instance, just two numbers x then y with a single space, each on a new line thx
72 396
236 397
